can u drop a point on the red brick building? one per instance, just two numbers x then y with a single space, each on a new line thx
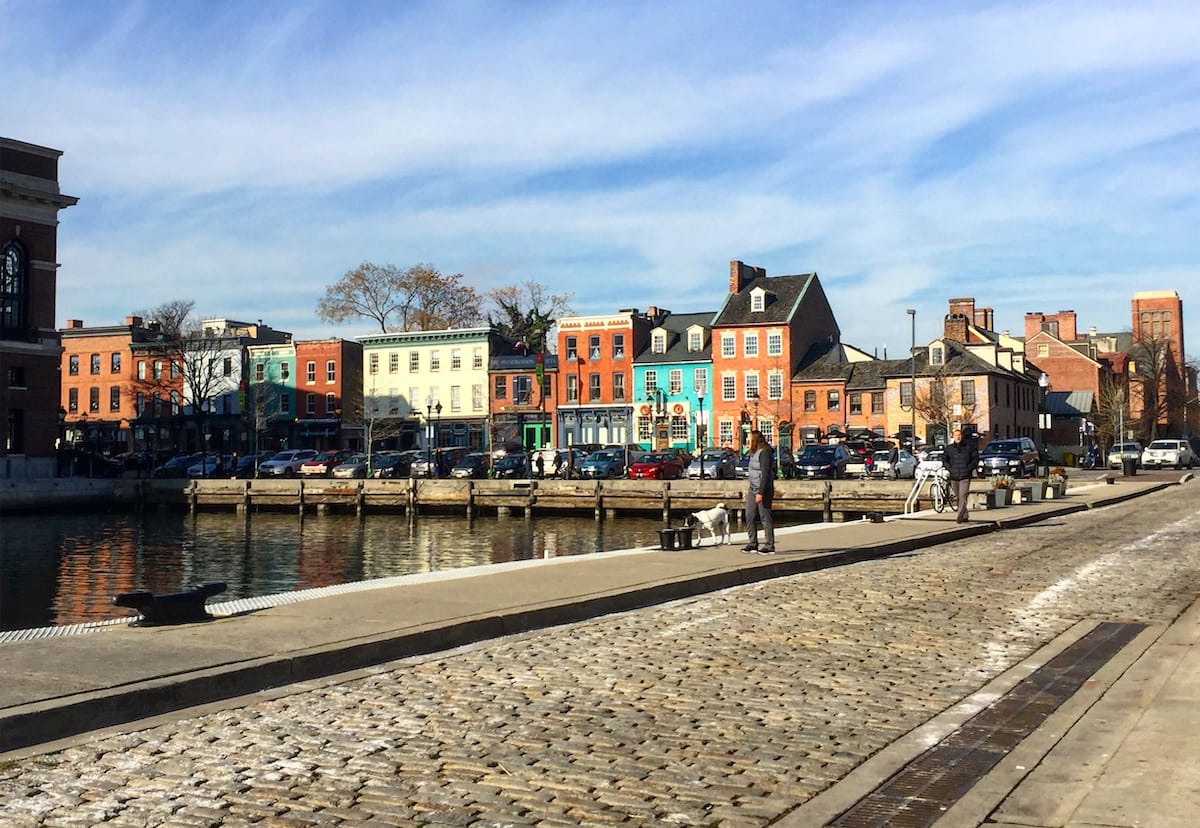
329 384
29 346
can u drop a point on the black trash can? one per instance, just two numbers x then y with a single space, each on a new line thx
666 538
1128 466
684 535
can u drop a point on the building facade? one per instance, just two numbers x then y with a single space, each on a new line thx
30 202
522 400
671 378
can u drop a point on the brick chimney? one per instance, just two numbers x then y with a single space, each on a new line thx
1034 323
741 275
983 318
74 323
956 327
133 321
1068 330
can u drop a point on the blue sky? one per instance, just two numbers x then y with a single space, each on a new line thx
1035 156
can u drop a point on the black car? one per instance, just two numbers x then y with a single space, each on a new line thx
398 465
473 466
512 466
823 461
1017 456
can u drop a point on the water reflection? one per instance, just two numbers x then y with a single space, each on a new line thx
65 569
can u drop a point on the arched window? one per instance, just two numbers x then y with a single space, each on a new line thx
14 290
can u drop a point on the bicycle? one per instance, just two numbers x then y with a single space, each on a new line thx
942 492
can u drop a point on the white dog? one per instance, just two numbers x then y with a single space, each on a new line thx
714 520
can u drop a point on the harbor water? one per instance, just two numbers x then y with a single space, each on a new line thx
65 569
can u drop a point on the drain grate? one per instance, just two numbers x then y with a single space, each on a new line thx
920 792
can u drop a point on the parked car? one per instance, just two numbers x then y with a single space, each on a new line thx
932 462
1015 456
823 461
512 466
630 451
399 464
894 464
859 451
285 463
557 461
177 466
354 466
443 460
1124 451
718 464
474 465
80 462
657 466
1162 453
209 466
742 469
322 465
383 464
246 465
606 463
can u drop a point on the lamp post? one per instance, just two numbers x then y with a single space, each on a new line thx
429 436
912 357
62 437
700 441
1044 417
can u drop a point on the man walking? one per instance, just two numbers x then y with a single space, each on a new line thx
961 460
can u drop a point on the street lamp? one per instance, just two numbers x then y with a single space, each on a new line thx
912 356
700 441
1044 416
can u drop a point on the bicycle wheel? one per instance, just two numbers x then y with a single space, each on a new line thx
939 496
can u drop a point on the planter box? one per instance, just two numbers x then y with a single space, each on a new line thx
999 497
1033 491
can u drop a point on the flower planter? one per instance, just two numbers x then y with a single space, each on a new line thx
1036 490
999 497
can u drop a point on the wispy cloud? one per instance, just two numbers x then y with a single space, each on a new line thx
1037 156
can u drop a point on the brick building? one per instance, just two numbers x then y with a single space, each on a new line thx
29 344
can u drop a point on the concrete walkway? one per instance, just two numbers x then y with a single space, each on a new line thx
1128 730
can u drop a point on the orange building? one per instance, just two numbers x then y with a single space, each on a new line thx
523 407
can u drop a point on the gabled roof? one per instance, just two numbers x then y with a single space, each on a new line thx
825 362
784 295
1069 403
676 325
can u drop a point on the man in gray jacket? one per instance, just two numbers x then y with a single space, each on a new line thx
759 492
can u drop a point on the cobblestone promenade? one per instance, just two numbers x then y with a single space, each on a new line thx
729 709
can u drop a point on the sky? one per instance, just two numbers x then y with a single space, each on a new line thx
1035 156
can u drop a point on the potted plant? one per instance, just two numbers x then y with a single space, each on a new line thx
1056 483
1001 493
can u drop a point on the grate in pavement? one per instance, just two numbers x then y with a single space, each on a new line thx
920 792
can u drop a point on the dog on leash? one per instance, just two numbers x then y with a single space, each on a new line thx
714 520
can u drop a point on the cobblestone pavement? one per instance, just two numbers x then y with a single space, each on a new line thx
728 709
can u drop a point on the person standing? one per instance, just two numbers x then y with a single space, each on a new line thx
759 493
961 460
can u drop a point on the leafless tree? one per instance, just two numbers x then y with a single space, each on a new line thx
1112 409
939 401
418 298
171 316
1156 374
526 312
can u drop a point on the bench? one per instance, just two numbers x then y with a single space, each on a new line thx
174 608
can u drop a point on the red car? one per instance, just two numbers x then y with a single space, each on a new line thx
657 466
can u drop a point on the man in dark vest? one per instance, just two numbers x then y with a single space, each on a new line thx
961 460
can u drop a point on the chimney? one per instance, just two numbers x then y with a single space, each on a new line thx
983 318
133 321
741 275
74 323
956 327
1067 326
1034 322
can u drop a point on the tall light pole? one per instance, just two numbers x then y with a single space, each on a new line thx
912 357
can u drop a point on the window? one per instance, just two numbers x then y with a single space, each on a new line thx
175 369
572 388
725 432
618 343
728 387
477 359
139 404
546 387
594 346
501 387
260 370
73 365
679 428
658 342
774 344
700 381
522 390
373 364
728 346
1043 349
310 372
675 381
752 392
414 362
285 370
95 363
114 398
645 429
435 360
227 366
750 344
13 300
593 387
618 387
310 404
477 397
393 362
413 396
114 363
16 376
455 397
650 380
695 341
810 400
456 359
72 399
158 369
767 427
775 385
937 355
14 437
906 394
285 404
331 405
572 349
968 391
331 371
876 403
856 402
758 301
94 400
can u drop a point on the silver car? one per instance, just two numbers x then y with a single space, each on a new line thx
285 463
718 464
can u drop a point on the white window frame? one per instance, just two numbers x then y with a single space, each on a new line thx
729 387
750 344
728 346
675 381
774 343
774 385
658 342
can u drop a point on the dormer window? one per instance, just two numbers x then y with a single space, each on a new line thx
658 342
695 340
937 355
758 300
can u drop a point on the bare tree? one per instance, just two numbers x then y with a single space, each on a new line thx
171 316
369 291
1112 413
940 401
419 298
436 301
1153 369
526 312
